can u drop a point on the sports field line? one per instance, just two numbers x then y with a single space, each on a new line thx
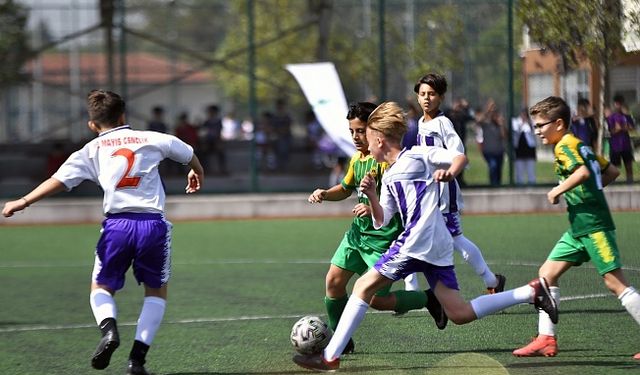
11 265
45 327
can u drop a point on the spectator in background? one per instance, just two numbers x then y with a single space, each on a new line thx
230 127
490 136
620 124
584 126
281 125
314 135
262 134
213 144
524 146
410 139
187 132
157 123
56 158
460 115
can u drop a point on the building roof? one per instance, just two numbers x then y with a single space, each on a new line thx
142 68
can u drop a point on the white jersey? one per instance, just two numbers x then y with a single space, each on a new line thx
124 163
409 188
439 132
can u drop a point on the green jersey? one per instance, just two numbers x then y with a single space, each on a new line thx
362 229
586 203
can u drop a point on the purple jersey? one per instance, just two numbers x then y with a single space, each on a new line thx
620 141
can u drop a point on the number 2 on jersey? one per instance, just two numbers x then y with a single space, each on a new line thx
127 181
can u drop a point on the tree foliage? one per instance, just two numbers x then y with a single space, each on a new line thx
14 50
575 28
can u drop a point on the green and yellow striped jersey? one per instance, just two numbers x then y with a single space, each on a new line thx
586 203
362 230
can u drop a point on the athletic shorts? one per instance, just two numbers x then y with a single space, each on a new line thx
452 219
600 248
357 258
139 239
396 266
618 156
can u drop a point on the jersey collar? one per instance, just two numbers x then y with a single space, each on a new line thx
114 129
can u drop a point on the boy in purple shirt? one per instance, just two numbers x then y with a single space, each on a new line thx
620 124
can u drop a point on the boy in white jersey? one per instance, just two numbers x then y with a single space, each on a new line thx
436 130
410 187
124 162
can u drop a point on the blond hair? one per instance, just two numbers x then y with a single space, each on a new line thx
389 119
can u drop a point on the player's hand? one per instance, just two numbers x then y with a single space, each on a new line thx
442 175
194 181
368 185
361 210
12 207
553 197
317 196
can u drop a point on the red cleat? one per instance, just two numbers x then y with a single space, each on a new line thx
541 346
637 356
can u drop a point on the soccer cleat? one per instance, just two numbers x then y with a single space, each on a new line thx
436 310
637 356
134 368
107 345
350 348
316 362
541 346
500 287
542 299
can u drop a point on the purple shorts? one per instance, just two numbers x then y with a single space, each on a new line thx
139 239
452 219
396 266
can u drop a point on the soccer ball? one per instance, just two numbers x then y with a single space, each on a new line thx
310 335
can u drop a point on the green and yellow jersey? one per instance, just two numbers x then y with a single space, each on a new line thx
362 230
586 203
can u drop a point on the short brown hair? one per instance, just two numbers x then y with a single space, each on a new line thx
104 107
552 107
389 119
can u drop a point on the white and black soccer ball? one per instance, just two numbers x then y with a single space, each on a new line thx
310 335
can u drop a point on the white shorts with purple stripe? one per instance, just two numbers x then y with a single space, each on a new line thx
396 266
139 239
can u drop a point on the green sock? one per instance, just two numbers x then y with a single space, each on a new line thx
335 307
409 300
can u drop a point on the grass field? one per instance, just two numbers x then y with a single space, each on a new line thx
238 286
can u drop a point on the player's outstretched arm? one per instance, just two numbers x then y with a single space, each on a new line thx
368 186
334 193
195 177
48 187
577 177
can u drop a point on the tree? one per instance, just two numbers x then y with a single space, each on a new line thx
578 29
14 47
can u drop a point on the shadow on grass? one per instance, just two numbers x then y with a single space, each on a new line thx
552 363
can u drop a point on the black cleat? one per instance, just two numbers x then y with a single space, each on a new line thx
542 299
135 368
502 280
436 310
107 345
350 348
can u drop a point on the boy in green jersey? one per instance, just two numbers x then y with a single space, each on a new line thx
362 244
591 235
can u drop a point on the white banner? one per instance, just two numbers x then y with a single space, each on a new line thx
322 88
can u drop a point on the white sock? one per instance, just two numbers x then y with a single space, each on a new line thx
150 319
349 321
472 255
491 303
102 304
411 282
630 299
545 325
